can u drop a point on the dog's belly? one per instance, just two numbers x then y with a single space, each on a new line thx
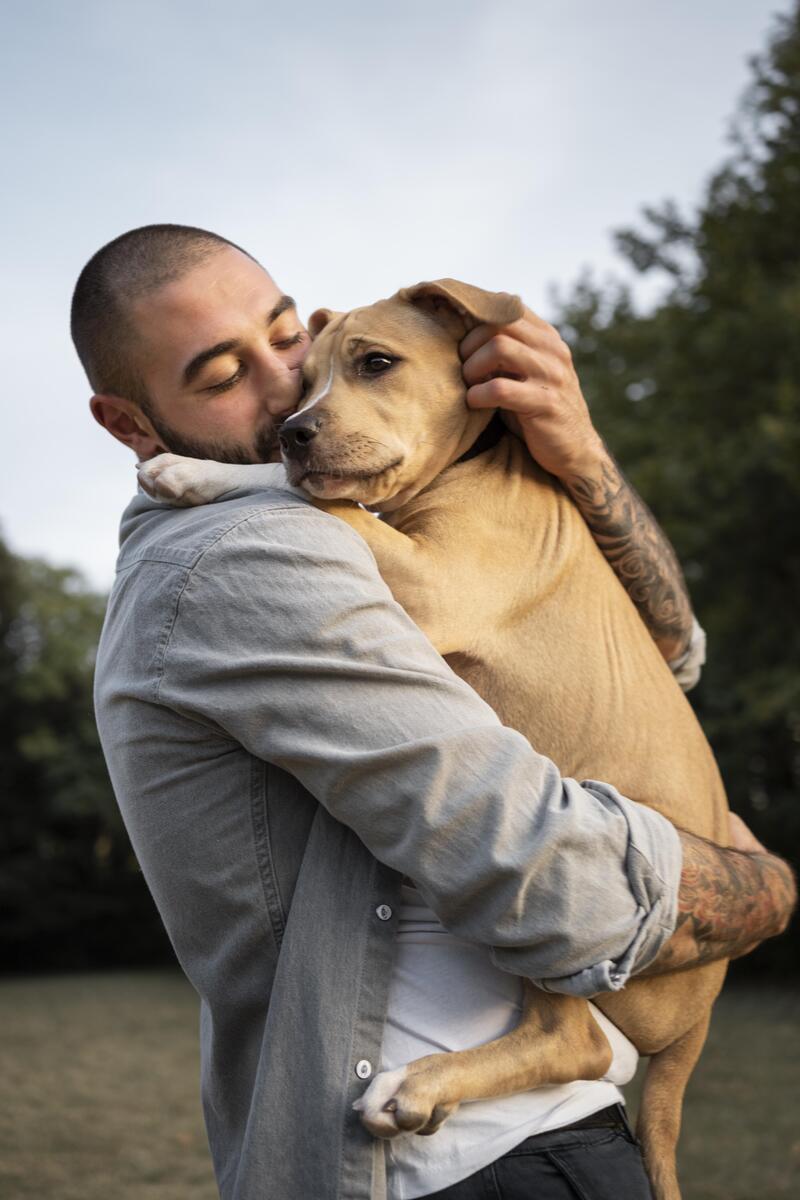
571 665
589 694
562 655
617 715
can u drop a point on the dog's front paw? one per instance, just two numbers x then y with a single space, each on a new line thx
186 481
401 1101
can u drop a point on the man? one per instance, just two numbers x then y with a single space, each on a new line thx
285 745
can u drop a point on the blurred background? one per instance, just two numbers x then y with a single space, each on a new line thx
633 170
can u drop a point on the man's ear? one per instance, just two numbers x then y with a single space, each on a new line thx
319 319
125 421
460 306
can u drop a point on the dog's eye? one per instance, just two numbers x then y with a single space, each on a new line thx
375 363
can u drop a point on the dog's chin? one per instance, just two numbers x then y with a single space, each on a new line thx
369 488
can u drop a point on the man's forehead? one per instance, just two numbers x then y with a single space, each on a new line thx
226 284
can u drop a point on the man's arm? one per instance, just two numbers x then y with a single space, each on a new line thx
526 370
636 549
728 902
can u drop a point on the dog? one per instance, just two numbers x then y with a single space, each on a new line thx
496 565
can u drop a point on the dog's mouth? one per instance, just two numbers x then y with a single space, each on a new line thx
330 482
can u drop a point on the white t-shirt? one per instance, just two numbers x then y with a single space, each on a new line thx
445 995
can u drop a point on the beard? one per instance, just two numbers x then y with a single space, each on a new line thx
265 448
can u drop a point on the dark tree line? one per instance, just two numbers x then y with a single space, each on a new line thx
71 894
699 397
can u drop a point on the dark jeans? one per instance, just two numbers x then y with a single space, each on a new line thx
566 1164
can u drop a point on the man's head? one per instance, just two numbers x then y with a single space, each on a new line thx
189 345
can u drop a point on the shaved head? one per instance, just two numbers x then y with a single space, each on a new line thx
118 276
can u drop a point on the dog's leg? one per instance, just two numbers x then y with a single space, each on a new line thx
659 1122
557 1041
189 481
421 576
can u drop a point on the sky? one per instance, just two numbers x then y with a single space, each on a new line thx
353 148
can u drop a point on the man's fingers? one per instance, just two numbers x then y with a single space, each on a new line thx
742 837
501 355
530 330
512 395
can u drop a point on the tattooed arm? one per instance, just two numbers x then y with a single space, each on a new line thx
637 550
526 370
729 901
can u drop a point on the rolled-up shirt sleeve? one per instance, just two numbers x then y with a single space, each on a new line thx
688 668
287 641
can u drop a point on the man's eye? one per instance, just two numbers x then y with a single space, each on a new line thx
230 382
375 363
292 341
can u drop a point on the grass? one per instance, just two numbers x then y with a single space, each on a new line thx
99 1094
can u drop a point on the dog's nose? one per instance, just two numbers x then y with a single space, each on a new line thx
297 434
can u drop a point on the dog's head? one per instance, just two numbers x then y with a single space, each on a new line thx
383 409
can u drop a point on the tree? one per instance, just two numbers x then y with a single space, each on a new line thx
700 399
70 890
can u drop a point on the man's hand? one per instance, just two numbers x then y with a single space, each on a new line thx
741 837
525 369
729 900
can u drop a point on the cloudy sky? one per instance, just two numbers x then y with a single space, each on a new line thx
353 147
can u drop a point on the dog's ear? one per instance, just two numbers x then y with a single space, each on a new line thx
319 319
460 306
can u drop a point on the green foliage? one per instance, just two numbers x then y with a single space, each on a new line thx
699 398
70 890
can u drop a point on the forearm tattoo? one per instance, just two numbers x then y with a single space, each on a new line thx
639 553
728 902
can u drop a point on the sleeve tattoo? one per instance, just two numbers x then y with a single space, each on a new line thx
729 901
639 553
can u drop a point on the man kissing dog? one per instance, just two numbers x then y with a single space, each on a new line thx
286 747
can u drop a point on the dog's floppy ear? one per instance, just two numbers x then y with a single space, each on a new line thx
460 306
319 319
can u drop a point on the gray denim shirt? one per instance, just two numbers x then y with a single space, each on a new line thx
285 745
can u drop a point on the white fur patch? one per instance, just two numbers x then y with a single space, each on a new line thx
187 481
372 1104
315 399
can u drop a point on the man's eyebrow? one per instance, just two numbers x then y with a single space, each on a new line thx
281 307
193 368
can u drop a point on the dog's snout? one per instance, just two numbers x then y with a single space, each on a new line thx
296 435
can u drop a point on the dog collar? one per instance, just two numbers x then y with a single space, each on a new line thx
486 440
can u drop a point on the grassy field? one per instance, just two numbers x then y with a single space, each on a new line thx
98 1094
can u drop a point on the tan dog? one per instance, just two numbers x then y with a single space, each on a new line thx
496 565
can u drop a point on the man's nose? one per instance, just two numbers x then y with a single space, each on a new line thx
282 387
297 434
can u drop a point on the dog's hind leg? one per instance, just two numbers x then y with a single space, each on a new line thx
557 1041
659 1122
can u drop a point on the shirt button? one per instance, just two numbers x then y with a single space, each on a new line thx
363 1069
383 912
